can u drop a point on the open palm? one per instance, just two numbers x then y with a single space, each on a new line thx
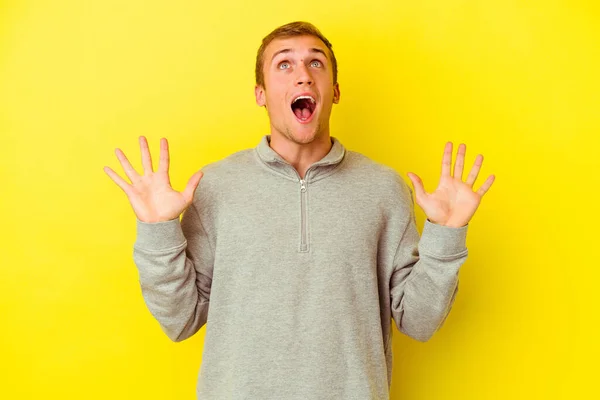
454 202
151 195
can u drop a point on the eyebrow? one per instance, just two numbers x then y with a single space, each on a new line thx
312 50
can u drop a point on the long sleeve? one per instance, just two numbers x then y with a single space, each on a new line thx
175 264
424 282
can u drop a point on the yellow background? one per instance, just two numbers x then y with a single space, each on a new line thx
517 81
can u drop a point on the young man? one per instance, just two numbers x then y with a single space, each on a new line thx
298 254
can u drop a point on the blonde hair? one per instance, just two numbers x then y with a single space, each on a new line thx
298 28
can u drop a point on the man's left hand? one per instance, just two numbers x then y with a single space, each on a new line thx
454 202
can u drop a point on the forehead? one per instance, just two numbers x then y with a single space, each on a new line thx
295 44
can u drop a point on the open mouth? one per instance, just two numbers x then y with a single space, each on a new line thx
304 107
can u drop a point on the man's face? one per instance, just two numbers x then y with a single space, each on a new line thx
294 67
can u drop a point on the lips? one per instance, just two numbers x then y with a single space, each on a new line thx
303 106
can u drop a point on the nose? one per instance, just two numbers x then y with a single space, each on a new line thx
303 75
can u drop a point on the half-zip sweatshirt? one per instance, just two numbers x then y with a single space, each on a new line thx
298 280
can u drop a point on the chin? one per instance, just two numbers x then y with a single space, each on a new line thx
303 136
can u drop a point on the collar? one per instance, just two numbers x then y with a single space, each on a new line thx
315 172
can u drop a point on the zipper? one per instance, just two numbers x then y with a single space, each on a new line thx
303 218
303 210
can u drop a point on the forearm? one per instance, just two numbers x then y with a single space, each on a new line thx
168 279
424 291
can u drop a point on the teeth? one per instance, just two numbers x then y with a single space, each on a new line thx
304 97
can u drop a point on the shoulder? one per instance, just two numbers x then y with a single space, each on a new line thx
235 166
237 161
382 178
222 174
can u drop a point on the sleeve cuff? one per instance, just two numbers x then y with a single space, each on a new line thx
442 240
157 236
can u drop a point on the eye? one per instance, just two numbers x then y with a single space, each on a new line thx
316 63
284 65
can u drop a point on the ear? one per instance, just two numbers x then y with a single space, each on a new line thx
259 93
336 93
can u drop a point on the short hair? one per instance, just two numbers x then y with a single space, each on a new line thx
298 28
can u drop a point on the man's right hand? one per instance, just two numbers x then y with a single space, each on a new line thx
151 195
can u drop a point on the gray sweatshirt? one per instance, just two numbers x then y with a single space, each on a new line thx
298 280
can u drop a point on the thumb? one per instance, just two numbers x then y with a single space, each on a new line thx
417 184
190 188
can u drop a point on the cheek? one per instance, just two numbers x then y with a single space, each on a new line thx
276 101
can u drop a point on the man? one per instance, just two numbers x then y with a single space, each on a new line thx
298 254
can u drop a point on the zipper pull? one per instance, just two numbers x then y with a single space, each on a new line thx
302 185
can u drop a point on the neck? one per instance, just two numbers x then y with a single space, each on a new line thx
301 155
